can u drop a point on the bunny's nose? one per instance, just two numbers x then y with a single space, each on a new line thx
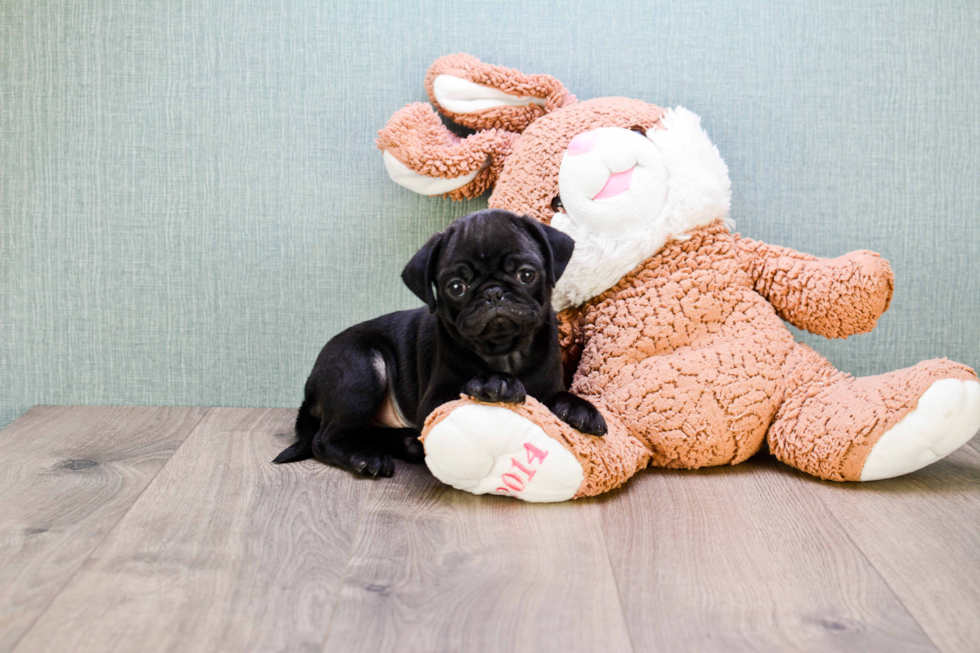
582 143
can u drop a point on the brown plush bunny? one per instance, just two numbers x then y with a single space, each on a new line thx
671 325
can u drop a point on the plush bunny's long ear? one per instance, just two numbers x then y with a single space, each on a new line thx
483 96
422 155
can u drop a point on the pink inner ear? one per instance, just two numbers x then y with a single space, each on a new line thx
582 143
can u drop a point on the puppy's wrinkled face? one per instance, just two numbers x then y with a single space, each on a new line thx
490 275
492 285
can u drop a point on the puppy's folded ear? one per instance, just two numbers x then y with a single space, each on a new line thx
419 274
556 246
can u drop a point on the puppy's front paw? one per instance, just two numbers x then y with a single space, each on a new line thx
370 462
577 413
496 388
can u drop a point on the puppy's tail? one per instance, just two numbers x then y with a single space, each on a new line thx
295 453
306 427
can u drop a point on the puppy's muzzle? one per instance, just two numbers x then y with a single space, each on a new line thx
499 322
499 327
498 317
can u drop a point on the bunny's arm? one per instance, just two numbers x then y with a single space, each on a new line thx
834 298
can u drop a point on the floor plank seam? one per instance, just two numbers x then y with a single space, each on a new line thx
105 537
350 556
619 596
877 571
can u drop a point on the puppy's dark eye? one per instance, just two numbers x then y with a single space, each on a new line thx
456 288
639 130
527 275
556 203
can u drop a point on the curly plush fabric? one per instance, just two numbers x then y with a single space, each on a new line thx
690 354
829 421
512 82
834 299
686 353
530 178
416 137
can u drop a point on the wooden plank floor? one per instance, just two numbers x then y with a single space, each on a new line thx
67 476
166 529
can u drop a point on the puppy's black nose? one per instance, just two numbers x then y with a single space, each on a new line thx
493 295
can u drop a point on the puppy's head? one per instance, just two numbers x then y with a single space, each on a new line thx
488 278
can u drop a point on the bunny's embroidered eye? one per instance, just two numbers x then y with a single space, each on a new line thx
639 130
556 203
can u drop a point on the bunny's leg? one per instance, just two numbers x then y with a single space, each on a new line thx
842 428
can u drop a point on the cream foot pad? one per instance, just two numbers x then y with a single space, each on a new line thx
486 449
946 416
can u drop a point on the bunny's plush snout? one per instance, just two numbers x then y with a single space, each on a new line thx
612 180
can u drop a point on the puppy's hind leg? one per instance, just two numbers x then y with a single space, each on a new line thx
350 391
346 447
306 427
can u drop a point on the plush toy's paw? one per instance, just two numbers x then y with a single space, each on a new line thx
946 416
496 388
493 450
577 413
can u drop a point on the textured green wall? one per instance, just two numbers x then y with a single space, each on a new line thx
191 202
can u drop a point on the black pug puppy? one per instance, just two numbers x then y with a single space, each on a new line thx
488 331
